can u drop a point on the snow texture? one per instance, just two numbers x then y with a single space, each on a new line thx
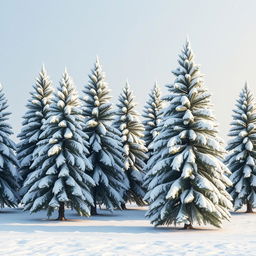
132 130
60 158
242 151
186 178
9 176
33 121
105 144
152 116
122 233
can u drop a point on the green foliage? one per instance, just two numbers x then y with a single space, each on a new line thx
9 177
105 145
186 178
242 151
59 160
128 123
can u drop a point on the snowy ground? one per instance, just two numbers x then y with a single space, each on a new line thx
120 233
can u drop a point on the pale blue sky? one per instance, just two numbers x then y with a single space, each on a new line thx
138 40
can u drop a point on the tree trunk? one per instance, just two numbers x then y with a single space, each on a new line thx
94 208
249 207
123 206
61 212
188 226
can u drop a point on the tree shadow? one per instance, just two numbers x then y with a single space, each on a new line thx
28 223
242 213
105 215
7 212
181 229
97 229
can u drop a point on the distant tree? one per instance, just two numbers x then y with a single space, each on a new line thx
128 123
152 116
59 160
105 143
187 180
9 176
33 120
242 152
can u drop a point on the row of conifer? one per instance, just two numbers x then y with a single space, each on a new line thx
80 152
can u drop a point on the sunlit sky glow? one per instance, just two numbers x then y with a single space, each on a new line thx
135 40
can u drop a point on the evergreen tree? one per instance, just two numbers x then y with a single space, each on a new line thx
129 125
59 160
105 143
9 176
242 152
152 114
186 178
34 118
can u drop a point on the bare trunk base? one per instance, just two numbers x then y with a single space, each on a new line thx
249 207
123 206
61 219
61 216
94 207
188 226
93 211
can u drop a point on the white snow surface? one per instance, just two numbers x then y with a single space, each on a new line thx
120 233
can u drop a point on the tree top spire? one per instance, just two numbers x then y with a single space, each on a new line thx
187 44
97 63
246 85
43 70
155 85
127 85
65 71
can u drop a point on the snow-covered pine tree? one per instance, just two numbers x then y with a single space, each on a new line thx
59 160
152 116
105 143
9 176
187 178
128 123
242 152
35 116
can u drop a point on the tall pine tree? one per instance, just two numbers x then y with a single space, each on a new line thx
9 176
187 179
242 152
33 120
128 123
59 161
152 116
105 143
